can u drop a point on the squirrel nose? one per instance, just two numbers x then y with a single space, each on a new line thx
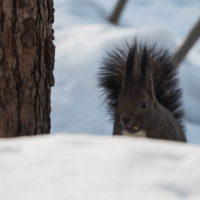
125 119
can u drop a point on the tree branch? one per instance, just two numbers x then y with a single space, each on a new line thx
114 18
182 51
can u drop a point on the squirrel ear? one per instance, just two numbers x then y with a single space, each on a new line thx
130 64
132 72
150 85
144 67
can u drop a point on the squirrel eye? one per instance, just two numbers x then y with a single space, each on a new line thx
143 104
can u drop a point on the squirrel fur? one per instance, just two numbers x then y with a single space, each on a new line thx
142 92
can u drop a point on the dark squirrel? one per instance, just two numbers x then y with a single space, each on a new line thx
141 89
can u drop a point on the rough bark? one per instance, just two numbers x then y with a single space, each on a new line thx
114 18
190 40
26 66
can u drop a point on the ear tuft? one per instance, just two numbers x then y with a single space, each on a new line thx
130 62
150 86
144 61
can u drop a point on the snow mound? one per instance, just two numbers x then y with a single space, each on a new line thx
97 167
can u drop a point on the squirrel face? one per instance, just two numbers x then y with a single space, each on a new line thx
135 109
136 100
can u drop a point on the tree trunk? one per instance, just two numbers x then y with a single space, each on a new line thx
26 66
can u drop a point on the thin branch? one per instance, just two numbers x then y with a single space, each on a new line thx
182 51
114 18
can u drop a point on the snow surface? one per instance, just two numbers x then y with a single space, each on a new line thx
68 167
83 35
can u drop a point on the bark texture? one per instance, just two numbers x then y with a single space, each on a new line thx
26 66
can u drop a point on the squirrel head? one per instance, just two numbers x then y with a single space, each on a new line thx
136 101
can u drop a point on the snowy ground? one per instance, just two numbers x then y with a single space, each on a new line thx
67 167
83 35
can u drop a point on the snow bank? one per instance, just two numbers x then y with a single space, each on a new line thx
97 168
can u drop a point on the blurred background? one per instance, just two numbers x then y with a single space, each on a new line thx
83 34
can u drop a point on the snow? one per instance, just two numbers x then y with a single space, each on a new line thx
83 35
97 167
193 133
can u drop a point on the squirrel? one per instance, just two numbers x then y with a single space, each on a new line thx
142 92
